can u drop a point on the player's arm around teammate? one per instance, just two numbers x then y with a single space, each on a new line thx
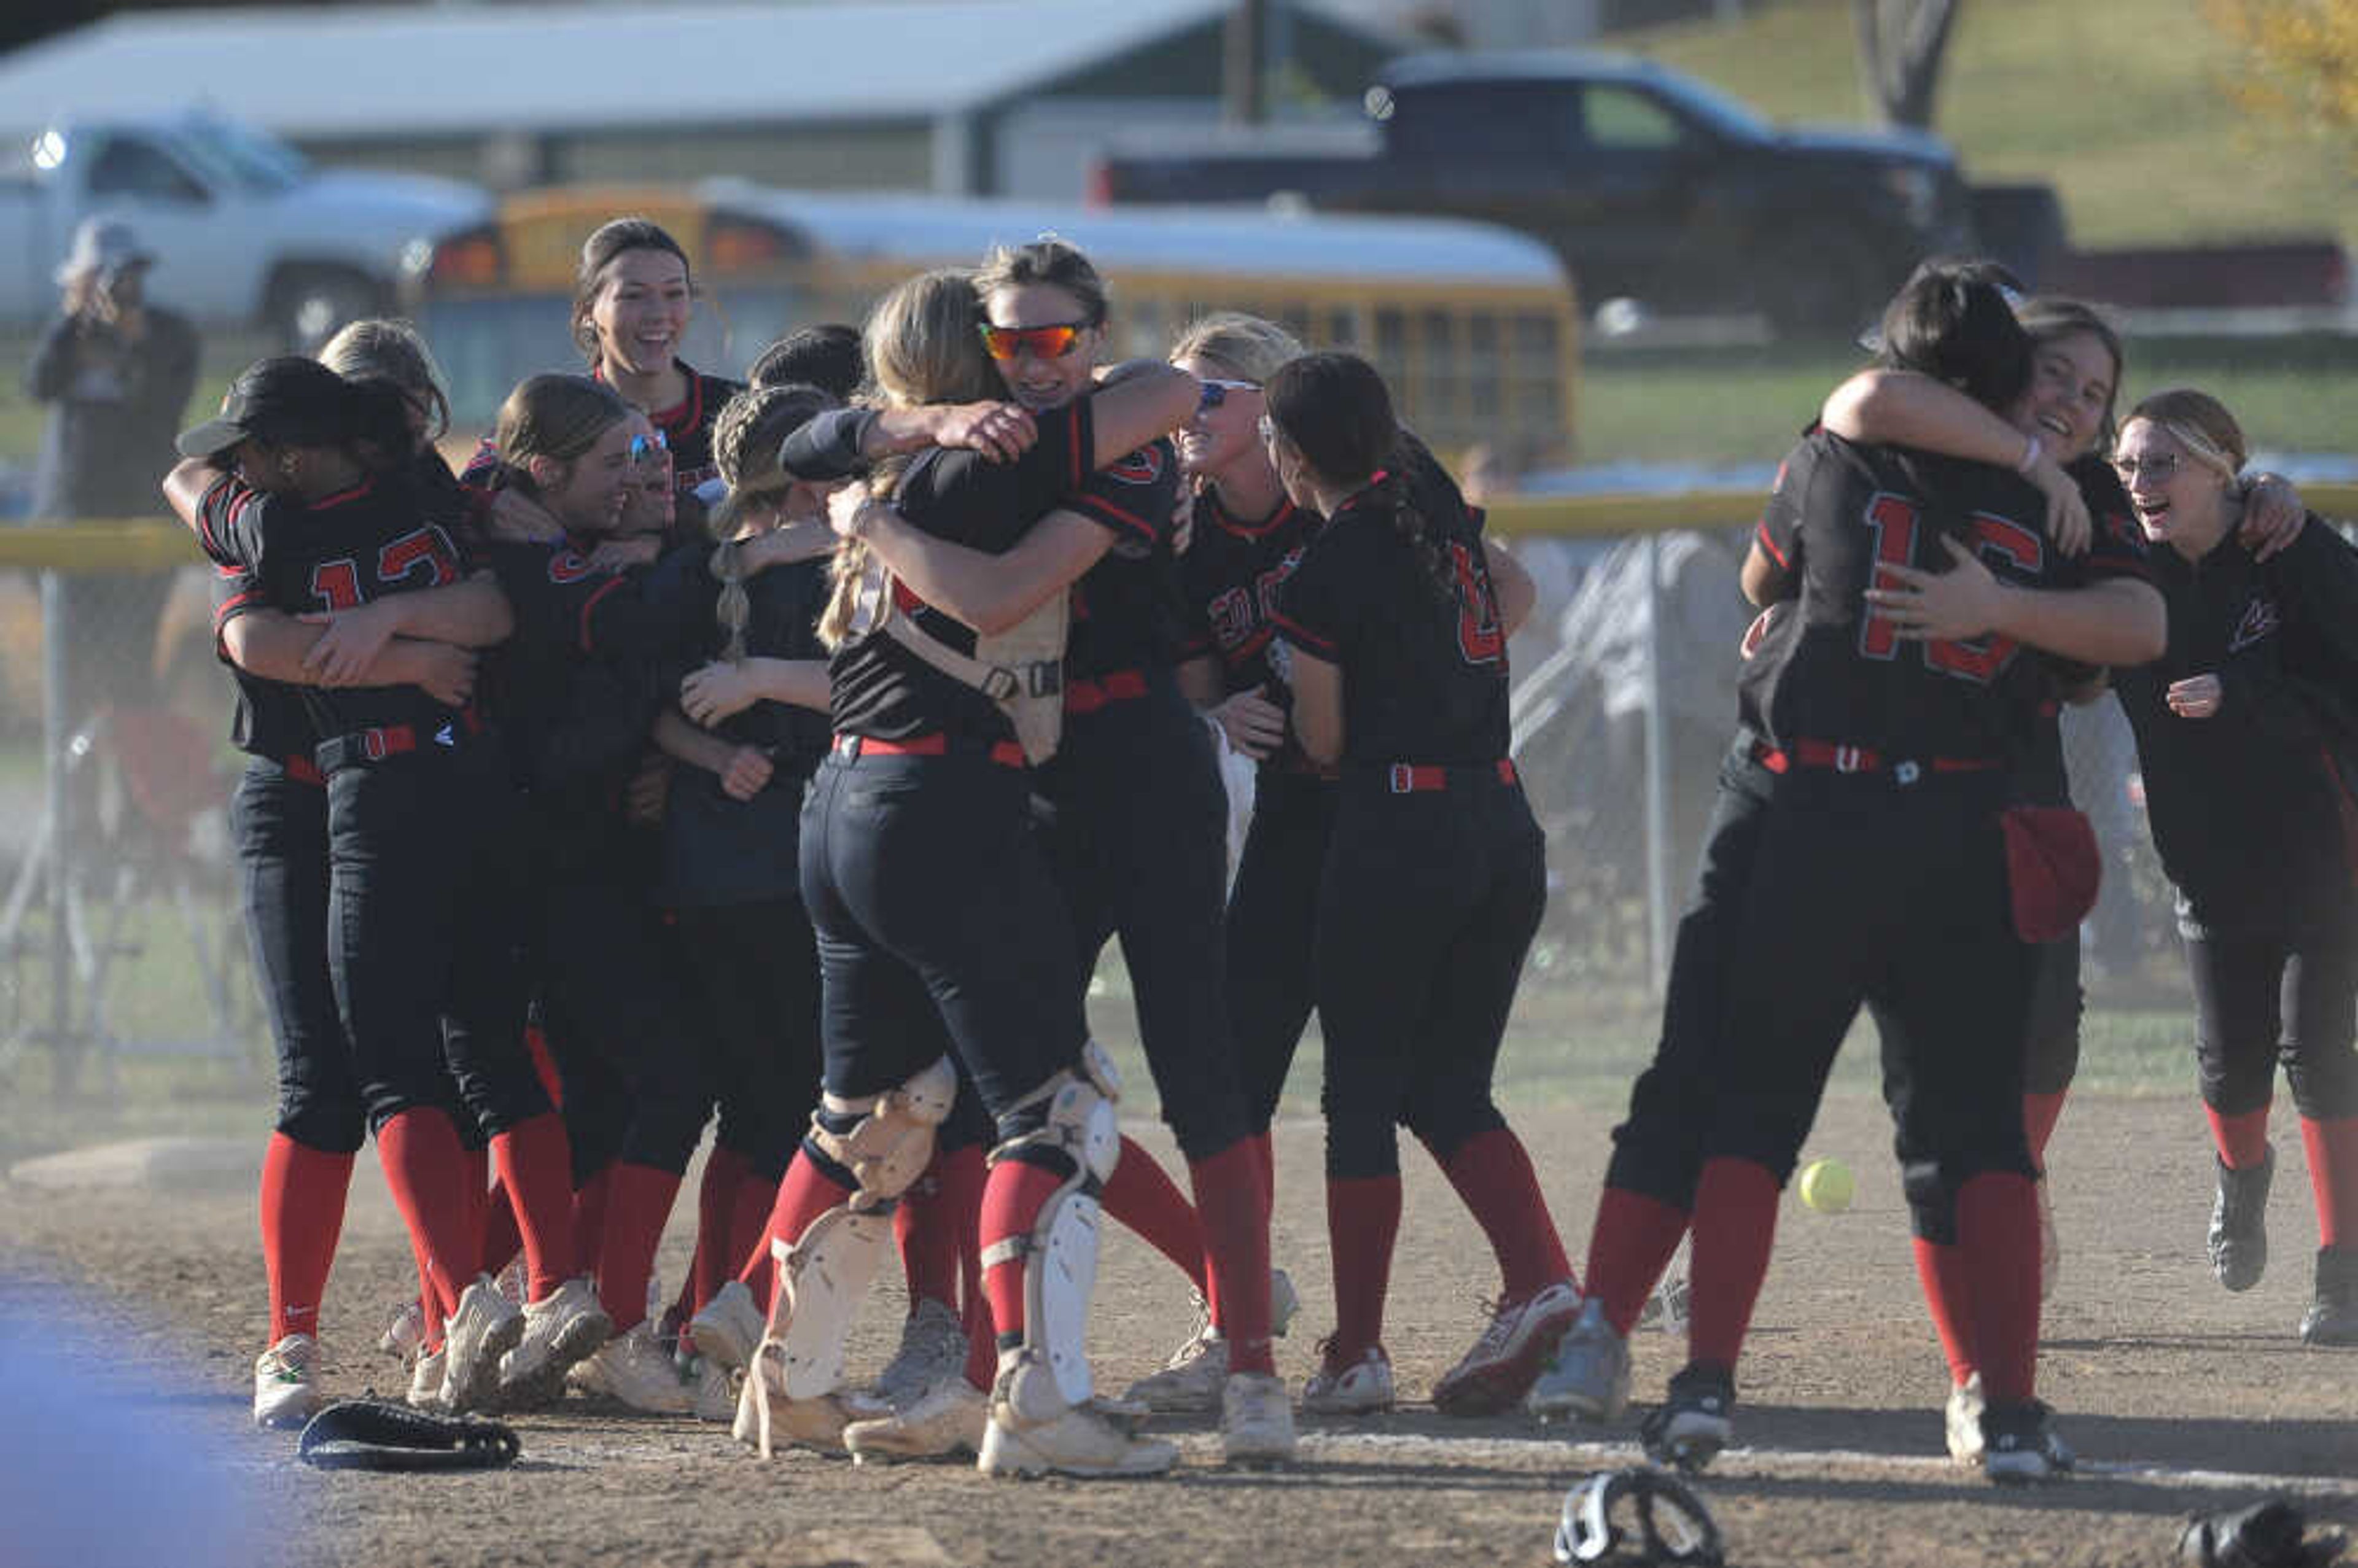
2251 706
1433 887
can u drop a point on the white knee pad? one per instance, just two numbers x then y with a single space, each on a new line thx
1051 1369
892 1143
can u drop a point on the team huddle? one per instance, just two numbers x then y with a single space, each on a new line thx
783 757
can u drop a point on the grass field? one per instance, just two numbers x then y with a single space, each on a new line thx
2121 105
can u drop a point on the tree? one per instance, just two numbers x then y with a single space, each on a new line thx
2300 59
1900 43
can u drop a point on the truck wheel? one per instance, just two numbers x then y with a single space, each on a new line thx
307 304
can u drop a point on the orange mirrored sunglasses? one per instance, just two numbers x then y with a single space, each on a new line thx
1050 343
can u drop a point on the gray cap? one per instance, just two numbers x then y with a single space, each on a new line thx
103 244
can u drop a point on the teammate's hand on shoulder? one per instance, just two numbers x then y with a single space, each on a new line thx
2273 515
649 789
711 694
1000 431
2196 696
747 774
2069 526
621 555
520 520
1961 602
447 673
1254 725
351 641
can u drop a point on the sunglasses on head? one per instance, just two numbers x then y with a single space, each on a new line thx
1215 392
647 448
1050 343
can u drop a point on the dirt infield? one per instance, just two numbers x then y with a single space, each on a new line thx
2178 1395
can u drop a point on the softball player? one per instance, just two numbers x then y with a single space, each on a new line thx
411 783
1136 822
1433 887
631 302
1884 825
932 901
2251 704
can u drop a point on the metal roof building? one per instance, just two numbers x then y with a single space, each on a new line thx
982 97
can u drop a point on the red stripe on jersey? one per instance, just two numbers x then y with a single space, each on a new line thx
589 609
343 496
1104 510
1080 458
1769 545
1229 523
1296 633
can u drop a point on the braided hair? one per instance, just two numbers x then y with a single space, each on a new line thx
1333 408
745 440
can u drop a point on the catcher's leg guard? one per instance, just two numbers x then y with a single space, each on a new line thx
1049 1372
885 1143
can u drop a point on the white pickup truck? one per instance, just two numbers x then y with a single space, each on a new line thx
246 233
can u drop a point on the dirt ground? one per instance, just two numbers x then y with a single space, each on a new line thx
2178 1396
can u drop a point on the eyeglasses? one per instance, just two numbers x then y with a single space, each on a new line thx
2157 467
647 448
1052 341
1215 392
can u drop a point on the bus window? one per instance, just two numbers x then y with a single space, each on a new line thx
1392 344
1342 329
1443 376
1485 369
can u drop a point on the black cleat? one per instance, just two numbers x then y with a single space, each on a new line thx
2239 1224
2332 1314
1693 1422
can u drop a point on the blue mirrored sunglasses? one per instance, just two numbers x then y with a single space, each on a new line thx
1215 392
647 448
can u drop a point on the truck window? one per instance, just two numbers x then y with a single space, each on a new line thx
127 167
1520 122
1623 118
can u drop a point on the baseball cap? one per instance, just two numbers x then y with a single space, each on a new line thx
288 400
103 244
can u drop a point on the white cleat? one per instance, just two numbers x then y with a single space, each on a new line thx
426 1380
1363 1388
716 1390
1078 1442
1516 1343
286 1382
1589 1378
1256 1419
1190 1383
486 1327
729 1327
932 1350
559 1331
767 1420
1963 1419
945 1419
405 1332
636 1371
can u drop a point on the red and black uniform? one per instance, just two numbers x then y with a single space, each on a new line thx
1880 876
1431 891
578 689
2254 813
420 887
687 426
1137 834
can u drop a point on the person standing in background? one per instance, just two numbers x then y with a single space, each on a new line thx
116 374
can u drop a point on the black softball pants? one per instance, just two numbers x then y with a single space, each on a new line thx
1272 931
2261 998
757 966
1428 904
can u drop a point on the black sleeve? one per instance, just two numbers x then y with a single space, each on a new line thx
826 445
2318 578
230 524
1133 498
1778 533
50 370
236 592
1314 604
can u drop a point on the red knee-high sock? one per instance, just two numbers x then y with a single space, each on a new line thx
2040 1114
1734 1230
981 1345
1632 1244
2332 1151
2242 1140
926 1234
302 1205
1012 1197
637 1203
962 1173
1236 1239
1948 1296
1492 1173
589 1215
1362 1222
1997 1241
535 1160
1143 1197
425 1167
501 1238
715 1223
806 1193
749 1221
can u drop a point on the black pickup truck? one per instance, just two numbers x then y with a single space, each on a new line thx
1650 185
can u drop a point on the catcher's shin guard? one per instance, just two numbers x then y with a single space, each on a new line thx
1049 1372
885 1141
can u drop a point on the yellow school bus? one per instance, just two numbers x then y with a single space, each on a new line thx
1475 327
